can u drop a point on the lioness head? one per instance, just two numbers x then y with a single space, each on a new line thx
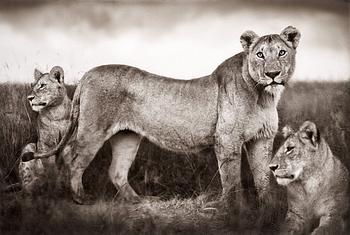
271 58
48 90
298 155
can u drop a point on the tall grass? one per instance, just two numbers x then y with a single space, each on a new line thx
156 172
17 125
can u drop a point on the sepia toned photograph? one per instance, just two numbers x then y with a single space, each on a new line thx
174 117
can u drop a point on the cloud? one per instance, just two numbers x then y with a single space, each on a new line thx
173 39
120 15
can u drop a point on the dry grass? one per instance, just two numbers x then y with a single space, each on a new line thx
150 216
183 183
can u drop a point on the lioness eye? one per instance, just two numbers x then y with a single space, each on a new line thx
260 55
289 149
282 53
42 85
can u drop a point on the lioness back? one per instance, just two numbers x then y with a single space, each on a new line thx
147 103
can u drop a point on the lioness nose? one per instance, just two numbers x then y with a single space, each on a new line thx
272 74
273 167
30 97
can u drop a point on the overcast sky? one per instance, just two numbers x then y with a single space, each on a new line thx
171 38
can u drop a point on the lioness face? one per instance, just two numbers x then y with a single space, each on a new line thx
48 90
271 58
288 162
296 155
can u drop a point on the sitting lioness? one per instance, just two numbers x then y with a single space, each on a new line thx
235 105
49 98
317 182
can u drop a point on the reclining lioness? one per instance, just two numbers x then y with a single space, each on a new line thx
316 181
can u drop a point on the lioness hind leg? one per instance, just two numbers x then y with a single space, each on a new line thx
124 149
86 149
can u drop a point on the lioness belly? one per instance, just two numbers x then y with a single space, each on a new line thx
175 131
175 114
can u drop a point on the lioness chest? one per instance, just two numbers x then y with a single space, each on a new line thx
50 132
261 123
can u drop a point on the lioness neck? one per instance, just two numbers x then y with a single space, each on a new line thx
311 184
56 113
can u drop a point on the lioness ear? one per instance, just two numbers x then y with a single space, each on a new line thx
287 131
291 36
37 74
247 39
57 73
310 132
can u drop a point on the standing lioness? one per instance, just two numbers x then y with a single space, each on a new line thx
234 105
317 182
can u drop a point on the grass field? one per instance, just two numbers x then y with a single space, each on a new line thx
183 183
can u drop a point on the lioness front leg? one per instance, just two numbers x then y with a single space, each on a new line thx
259 153
329 224
51 170
228 154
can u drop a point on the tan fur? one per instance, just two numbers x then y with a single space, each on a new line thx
49 98
234 105
317 182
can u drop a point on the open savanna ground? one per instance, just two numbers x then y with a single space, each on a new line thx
182 184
